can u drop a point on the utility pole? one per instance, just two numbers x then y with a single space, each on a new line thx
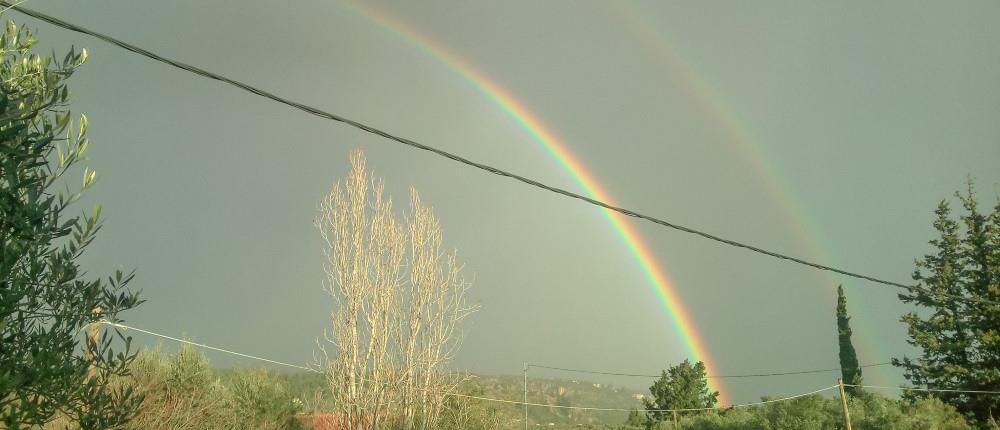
525 368
92 332
843 401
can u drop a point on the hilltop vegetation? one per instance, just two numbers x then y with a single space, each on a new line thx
815 412
556 392
182 391
310 387
550 391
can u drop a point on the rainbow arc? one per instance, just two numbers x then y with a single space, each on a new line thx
559 151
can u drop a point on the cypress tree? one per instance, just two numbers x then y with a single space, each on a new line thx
850 371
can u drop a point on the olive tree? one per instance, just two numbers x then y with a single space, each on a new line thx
47 370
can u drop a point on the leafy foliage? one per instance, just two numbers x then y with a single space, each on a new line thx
868 412
184 392
636 419
683 386
263 399
474 413
850 370
876 412
958 327
468 414
44 298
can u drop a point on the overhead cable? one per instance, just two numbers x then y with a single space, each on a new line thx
201 345
932 390
750 375
523 403
454 157
450 393
588 408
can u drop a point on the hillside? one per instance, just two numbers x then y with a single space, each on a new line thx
549 391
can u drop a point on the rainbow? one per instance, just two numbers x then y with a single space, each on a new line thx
561 153
701 93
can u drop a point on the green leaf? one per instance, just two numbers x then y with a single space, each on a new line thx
83 126
59 153
82 146
88 177
62 120
43 142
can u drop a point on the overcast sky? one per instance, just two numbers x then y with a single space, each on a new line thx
825 130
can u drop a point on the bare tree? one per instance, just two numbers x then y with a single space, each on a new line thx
400 301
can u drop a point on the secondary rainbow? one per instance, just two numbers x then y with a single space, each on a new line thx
516 110
699 91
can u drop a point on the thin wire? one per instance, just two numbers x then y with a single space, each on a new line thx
200 345
587 408
529 365
11 6
752 375
370 129
449 393
595 372
936 390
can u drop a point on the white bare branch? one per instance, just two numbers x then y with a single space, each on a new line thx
400 301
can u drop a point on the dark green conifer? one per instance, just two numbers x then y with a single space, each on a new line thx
850 370
958 328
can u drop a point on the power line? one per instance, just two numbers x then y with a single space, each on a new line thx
450 393
454 157
589 408
933 390
11 6
523 403
751 375
123 326
200 345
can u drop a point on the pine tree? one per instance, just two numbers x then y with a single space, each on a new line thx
958 330
850 371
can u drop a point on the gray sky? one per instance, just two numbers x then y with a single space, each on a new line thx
823 130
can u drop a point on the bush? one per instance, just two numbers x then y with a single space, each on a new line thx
263 401
183 392
871 412
468 414
868 412
180 393
736 419
931 413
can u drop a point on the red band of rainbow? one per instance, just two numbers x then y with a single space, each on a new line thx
516 110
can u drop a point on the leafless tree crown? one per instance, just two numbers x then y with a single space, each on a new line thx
399 304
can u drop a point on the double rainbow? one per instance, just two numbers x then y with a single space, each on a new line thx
545 136
654 41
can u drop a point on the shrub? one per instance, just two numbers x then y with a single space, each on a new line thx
262 401
868 412
183 392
